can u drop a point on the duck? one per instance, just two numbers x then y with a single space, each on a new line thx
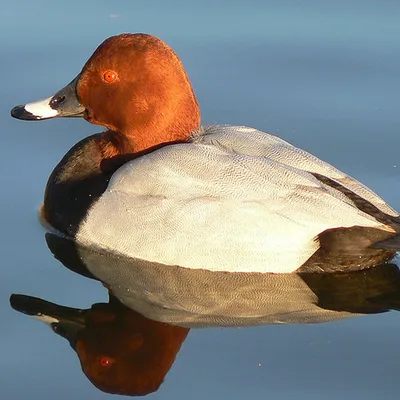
157 185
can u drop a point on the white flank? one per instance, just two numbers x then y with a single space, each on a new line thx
238 200
41 108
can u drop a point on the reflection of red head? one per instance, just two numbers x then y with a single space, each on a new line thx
123 352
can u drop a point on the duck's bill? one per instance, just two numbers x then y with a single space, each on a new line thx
64 103
64 321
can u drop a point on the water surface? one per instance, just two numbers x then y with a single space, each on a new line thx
322 75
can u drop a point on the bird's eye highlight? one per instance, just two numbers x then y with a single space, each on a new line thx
110 76
105 362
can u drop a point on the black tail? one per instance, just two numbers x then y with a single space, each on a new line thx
392 243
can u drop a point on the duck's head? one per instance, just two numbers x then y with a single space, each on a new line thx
133 84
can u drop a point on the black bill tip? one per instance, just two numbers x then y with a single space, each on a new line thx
20 112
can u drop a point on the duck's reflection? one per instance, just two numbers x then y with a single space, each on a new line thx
120 351
128 345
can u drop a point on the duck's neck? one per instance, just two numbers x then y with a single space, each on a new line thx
134 144
155 125
159 129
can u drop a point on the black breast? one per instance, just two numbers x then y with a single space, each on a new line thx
74 185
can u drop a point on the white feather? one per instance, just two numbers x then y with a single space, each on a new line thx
234 199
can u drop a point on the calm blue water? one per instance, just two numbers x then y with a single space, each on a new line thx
324 76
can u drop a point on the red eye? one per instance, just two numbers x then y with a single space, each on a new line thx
110 76
105 362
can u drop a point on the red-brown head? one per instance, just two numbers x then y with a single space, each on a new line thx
133 84
136 85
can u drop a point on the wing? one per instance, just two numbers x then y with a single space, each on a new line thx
198 205
244 140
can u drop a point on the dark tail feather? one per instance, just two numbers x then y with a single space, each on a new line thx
392 243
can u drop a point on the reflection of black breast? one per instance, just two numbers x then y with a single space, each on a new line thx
66 251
